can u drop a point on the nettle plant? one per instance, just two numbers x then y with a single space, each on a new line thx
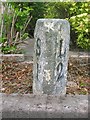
80 23
13 27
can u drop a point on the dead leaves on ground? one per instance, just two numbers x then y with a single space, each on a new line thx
79 74
18 77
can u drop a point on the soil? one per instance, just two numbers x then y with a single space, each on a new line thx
18 77
78 76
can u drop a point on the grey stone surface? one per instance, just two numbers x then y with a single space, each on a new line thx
1 106
51 48
44 106
12 57
27 49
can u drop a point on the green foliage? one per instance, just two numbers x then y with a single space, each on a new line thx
22 13
8 49
78 15
79 20
26 9
19 21
39 10
57 10
15 21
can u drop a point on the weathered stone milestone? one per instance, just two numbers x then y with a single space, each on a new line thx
51 48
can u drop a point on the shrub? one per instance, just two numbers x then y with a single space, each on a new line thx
79 20
14 23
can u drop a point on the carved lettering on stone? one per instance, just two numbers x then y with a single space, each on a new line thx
51 56
38 50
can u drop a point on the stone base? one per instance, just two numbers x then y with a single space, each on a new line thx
44 106
12 57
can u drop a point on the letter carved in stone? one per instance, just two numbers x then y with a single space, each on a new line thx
38 52
60 65
50 61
